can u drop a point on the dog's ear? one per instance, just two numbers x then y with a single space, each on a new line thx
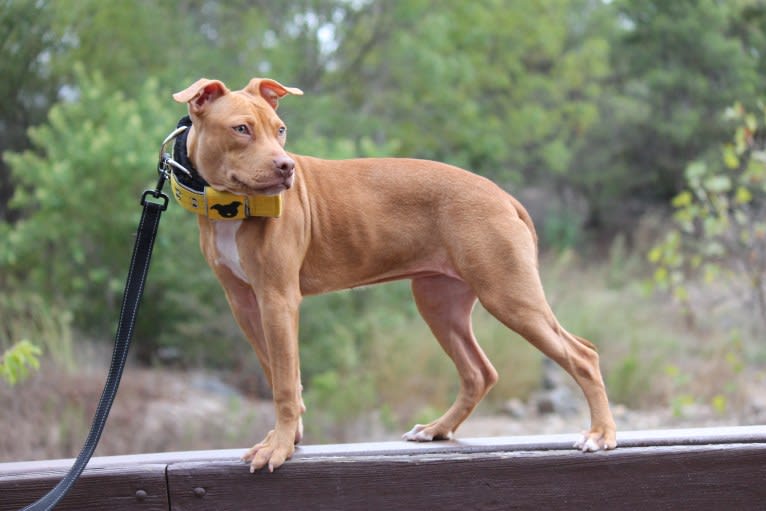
270 90
200 94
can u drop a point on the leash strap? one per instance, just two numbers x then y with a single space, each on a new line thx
134 287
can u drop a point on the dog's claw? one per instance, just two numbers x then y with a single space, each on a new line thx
418 434
425 433
588 445
594 441
270 453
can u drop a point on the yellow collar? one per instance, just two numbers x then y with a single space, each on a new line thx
224 205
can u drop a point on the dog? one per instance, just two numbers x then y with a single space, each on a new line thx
457 236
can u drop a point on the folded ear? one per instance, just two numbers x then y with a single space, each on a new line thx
200 94
270 90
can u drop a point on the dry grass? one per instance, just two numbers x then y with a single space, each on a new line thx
48 415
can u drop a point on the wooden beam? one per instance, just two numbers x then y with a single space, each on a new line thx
713 468
142 486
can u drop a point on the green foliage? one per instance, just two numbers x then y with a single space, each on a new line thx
724 377
685 64
512 99
629 378
26 44
335 400
16 361
26 315
675 66
561 231
78 193
720 227
336 329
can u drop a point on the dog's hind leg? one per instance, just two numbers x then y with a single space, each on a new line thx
446 304
510 289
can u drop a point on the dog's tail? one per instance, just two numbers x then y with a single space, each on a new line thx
525 217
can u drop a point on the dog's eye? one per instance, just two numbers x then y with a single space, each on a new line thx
242 129
282 131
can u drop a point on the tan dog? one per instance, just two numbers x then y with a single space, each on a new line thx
350 223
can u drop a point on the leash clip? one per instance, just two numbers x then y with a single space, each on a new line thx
157 194
167 163
165 167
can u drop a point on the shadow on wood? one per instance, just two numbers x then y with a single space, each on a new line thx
717 468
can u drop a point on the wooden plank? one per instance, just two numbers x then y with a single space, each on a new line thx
669 477
564 442
133 487
644 438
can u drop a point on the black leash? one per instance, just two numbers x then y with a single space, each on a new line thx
134 288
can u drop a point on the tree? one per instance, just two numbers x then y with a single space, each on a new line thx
509 98
77 194
27 44
683 62
720 220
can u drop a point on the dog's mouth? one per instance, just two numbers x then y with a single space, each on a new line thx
275 187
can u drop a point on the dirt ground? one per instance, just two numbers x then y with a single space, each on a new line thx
162 410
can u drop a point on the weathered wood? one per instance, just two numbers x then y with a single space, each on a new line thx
141 487
716 468
672 478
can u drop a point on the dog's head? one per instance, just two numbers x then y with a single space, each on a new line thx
237 139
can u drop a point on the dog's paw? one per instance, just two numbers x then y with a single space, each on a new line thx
597 439
426 433
273 451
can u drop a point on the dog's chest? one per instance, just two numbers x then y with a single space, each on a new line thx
226 247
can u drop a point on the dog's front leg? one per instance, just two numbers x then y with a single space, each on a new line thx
279 317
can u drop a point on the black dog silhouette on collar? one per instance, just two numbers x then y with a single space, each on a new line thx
227 210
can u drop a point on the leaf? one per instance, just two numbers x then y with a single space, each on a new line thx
683 199
661 275
655 254
740 140
681 294
16 361
695 169
719 404
718 184
743 195
730 158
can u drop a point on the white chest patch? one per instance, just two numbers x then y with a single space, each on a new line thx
226 247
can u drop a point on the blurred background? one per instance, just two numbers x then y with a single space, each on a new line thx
633 131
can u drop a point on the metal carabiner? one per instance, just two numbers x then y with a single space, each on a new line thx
170 138
166 159
164 165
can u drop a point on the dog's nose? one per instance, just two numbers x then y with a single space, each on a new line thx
285 166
